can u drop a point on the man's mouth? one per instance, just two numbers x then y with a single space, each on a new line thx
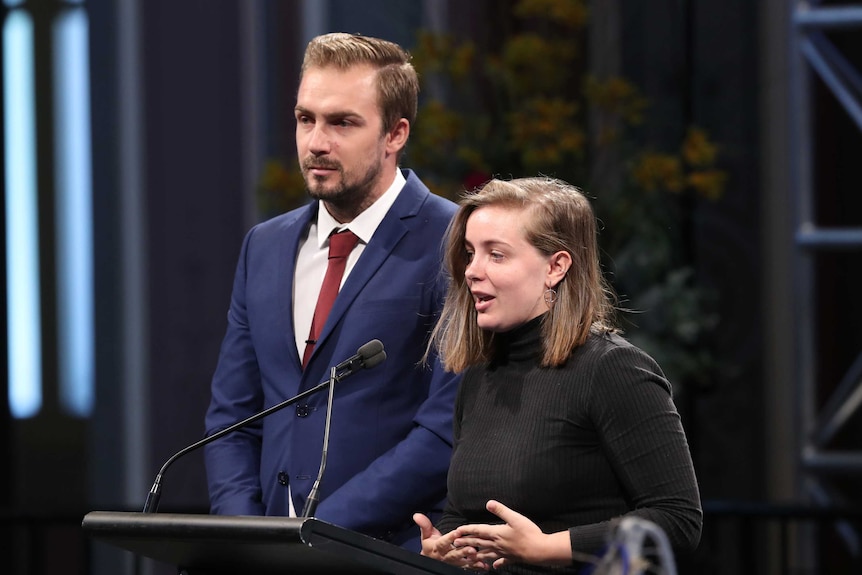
318 165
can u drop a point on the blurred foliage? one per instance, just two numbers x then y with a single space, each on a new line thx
280 188
525 103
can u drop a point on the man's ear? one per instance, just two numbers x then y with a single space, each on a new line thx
396 139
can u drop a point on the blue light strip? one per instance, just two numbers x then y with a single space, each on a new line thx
74 213
22 227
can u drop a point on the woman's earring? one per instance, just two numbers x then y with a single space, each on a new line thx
550 296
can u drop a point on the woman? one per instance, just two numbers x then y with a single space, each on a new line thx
558 417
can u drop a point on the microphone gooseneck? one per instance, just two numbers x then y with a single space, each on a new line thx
367 356
313 498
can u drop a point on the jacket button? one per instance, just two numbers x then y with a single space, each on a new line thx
282 478
302 411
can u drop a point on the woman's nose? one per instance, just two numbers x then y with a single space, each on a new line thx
472 271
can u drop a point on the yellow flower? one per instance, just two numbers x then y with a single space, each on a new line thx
462 61
697 150
472 157
545 131
439 125
708 183
280 188
542 118
546 64
572 140
616 97
569 13
654 171
431 51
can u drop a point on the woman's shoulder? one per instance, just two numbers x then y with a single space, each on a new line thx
610 348
601 342
610 355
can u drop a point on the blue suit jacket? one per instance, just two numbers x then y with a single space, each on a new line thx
390 436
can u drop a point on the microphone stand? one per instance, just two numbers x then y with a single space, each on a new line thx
314 495
367 356
152 502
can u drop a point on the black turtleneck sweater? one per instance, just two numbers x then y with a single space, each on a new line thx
572 447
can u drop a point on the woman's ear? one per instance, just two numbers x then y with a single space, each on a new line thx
559 265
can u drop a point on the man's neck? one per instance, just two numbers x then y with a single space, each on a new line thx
346 212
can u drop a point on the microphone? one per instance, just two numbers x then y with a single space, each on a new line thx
367 356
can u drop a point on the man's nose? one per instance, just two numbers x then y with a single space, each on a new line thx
318 140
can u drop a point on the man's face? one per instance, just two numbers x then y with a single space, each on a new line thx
339 136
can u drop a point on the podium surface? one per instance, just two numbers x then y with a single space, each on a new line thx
217 544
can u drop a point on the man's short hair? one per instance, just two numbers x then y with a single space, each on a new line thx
397 81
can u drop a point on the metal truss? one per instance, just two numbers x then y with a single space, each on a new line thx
814 55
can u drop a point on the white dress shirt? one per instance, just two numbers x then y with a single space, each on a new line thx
311 261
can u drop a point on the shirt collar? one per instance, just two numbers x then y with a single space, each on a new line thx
365 224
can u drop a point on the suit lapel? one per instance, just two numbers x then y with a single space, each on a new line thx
392 229
293 231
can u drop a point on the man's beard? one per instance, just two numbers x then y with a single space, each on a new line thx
344 192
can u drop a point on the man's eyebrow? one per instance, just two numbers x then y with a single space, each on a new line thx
328 115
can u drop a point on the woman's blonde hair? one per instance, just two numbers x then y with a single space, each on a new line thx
557 217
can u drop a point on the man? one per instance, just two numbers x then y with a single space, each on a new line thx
390 436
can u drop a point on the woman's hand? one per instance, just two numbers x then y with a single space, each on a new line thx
442 547
517 540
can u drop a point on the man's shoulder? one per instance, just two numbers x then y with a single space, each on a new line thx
281 222
428 201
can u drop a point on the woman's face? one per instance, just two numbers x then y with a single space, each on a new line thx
506 274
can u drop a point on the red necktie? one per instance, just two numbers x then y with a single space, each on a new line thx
340 246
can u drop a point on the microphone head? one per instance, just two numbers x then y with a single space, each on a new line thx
370 349
374 360
366 356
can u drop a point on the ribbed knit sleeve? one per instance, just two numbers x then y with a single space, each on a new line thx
644 442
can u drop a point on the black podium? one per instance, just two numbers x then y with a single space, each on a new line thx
222 545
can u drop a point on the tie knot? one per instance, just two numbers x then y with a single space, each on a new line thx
342 243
